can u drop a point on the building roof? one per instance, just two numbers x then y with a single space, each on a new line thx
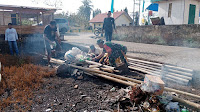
28 9
100 17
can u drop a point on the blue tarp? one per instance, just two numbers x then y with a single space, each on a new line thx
153 7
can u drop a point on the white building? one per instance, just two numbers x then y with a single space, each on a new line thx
121 19
179 11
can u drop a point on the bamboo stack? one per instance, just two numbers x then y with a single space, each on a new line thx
130 82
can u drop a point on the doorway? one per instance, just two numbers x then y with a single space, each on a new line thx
192 11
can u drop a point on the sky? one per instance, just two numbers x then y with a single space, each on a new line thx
72 6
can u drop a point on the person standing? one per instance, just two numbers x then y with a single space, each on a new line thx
51 37
108 26
11 37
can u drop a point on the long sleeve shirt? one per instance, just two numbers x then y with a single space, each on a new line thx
11 35
109 24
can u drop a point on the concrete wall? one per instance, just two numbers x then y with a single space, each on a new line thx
177 35
180 11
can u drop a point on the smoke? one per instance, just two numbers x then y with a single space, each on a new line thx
33 44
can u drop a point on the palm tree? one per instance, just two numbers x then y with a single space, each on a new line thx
85 9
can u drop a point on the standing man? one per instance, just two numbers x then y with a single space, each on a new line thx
108 26
51 37
11 37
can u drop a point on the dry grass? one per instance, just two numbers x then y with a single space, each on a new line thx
19 82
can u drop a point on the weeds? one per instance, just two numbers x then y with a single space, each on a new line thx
19 82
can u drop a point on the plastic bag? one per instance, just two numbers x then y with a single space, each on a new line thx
76 55
172 107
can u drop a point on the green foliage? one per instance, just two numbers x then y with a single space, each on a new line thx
85 9
126 10
96 12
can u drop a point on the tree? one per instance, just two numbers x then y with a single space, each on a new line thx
126 10
62 15
96 12
85 9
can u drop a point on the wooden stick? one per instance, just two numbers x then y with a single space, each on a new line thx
113 79
106 73
133 80
128 79
187 103
95 63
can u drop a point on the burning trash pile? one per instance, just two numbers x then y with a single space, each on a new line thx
148 97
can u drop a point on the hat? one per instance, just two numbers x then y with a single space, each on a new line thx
100 41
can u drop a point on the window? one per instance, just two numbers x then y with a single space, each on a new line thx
99 24
170 10
123 24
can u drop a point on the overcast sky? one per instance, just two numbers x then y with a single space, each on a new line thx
73 5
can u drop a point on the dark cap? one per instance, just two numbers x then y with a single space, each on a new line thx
100 41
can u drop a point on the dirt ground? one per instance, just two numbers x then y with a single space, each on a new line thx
92 94
59 94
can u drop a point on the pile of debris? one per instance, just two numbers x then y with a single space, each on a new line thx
136 98
143 96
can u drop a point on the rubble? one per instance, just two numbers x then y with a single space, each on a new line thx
76 87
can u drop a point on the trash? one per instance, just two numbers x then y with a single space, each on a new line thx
153 84
146 105
137 95
82 96
76 87
71 54
47 110
76 55
173 93
172 107
113 89
184 110
165 98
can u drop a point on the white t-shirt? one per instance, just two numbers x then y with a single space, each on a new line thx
11 35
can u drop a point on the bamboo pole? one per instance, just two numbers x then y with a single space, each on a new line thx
113 79
106 73
124 78
124 81
134 80
187 103
95 63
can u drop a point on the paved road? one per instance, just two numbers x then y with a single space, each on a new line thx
180 56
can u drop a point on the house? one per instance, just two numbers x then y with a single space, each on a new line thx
25 19
179 11
121 19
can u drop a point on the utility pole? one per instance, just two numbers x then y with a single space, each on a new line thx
139 13
133 12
